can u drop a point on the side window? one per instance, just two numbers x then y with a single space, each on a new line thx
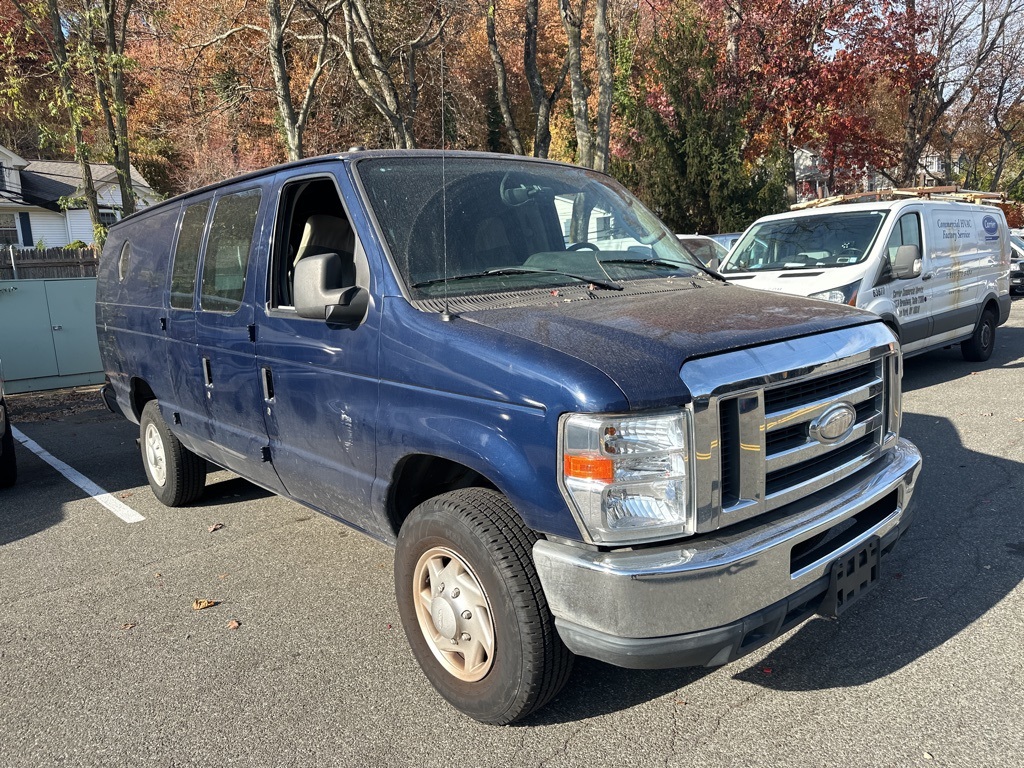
906 232
227 251
312 221
186 255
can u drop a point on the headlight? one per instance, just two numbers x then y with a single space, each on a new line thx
846 294
629 477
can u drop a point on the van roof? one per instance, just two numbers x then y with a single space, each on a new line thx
881 205
350 156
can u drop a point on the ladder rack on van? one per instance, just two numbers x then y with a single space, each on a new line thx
930 193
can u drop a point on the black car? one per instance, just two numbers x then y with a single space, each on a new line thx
8 465
1016 264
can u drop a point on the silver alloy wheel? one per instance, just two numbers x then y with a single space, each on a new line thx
155 459
454 614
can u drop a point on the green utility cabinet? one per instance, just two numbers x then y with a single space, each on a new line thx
48 334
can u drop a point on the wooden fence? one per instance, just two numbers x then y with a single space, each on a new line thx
27 264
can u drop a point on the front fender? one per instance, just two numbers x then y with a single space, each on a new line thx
513 446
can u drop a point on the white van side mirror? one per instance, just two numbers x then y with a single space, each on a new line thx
907 263
315 300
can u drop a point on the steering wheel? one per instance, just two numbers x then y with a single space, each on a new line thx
581 246
850 252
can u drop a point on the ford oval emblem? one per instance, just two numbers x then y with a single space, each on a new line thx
834 424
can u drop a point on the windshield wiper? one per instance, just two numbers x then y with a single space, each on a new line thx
648 262
598 282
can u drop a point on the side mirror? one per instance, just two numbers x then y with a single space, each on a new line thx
316 301
907 262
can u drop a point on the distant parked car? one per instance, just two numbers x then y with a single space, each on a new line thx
1016 264
8 465
727 240
704 248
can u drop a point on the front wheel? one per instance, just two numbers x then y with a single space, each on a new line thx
176 475
473 608
978 348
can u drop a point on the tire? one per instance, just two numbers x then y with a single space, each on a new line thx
509 660
8 461
978 348
176 475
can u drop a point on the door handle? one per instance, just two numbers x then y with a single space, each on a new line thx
926 276
268 384
207 373
56 327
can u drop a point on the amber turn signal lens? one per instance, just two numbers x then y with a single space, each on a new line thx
589 468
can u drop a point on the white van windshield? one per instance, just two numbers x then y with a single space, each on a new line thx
806 242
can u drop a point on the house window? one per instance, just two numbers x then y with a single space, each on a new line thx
9 229
108 218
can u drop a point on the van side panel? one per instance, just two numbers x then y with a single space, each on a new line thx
129 311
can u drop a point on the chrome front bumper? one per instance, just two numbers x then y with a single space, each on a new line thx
710 599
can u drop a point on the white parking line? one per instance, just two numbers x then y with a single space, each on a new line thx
116 506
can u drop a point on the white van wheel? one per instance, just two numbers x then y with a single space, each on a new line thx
978 348
176 475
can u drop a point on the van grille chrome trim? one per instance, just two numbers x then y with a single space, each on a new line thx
753 411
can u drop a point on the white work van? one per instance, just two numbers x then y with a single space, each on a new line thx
936 271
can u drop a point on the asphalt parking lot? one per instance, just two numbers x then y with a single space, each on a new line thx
302 662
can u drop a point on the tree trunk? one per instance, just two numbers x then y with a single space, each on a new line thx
791 195
115 68
501 80
282 80
605 87
573 25
67 87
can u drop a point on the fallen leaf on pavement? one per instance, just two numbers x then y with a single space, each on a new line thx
126 626
199 605
234 624
216 527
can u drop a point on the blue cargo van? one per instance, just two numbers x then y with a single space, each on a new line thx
578 438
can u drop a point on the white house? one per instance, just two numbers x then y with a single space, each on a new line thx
30 194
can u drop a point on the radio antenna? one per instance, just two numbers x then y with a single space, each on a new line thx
446 315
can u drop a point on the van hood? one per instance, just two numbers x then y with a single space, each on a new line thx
642 341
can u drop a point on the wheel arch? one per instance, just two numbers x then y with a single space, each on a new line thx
139 393
422 476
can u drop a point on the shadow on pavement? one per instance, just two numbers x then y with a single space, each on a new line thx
962 556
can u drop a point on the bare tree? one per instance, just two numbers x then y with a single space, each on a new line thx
105 38
543 99
390 81
501 79
591 142
299 22
961 40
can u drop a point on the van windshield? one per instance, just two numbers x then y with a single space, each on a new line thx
806 242
479 225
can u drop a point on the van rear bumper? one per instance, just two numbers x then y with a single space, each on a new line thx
708 601
110 399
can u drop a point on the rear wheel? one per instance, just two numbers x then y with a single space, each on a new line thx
978 348
8 463
473 609
176 475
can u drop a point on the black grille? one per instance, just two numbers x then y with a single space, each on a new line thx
832 385
729 450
